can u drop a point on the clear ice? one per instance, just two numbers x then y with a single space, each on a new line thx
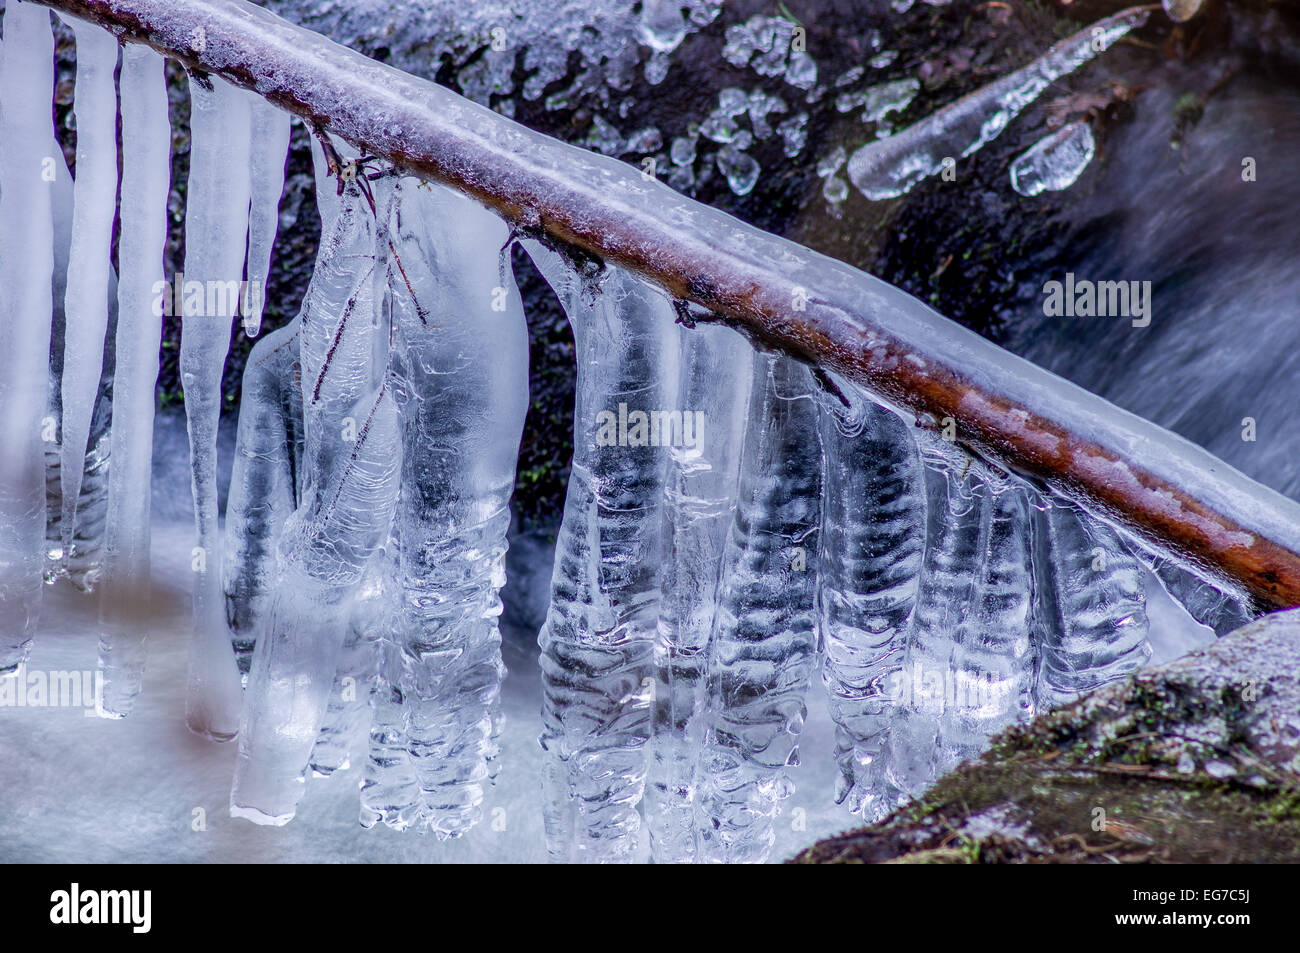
599 636
764 645
216 229
26 267
889 167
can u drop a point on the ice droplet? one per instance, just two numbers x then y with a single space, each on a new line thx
741 170
1055 162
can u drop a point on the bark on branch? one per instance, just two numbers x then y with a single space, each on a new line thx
781 295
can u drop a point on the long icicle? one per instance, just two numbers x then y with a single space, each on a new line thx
268 148
86 298
146 182
872 538
764 633
216 224
26 268
598 639
699 496
351 461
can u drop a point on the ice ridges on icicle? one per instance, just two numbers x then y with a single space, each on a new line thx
598 640
712 397
764 641
873 533
265 482
891 166
461 366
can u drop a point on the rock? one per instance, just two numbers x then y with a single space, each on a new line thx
1196 761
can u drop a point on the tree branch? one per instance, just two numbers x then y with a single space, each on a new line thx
1164 489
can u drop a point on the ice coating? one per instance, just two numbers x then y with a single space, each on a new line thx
1055 162
216 227
712 385
764 643
268 148
461 360
872 537
598 639
86 297
26 267
1091 607
351 462
892 166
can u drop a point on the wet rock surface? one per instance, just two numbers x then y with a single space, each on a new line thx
1197 761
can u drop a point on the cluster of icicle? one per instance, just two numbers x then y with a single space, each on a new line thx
730 530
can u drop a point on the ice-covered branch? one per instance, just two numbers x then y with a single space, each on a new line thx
782 295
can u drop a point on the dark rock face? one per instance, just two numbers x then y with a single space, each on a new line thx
1197 761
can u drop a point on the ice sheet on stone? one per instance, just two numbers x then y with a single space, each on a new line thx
712 399
764 641
26 267
598 639
872 537
216 229
268 147
891 166
146 182
351 461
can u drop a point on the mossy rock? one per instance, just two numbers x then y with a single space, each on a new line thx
1197 761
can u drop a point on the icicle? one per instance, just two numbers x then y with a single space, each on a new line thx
346 715
1091 605
351 460
216 225
969 664
764 636
598 640
268 147
872 537
26 268
86 298
462 346
390 792
265 482
146 182
700 493
891 166
1220 607
1055 162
